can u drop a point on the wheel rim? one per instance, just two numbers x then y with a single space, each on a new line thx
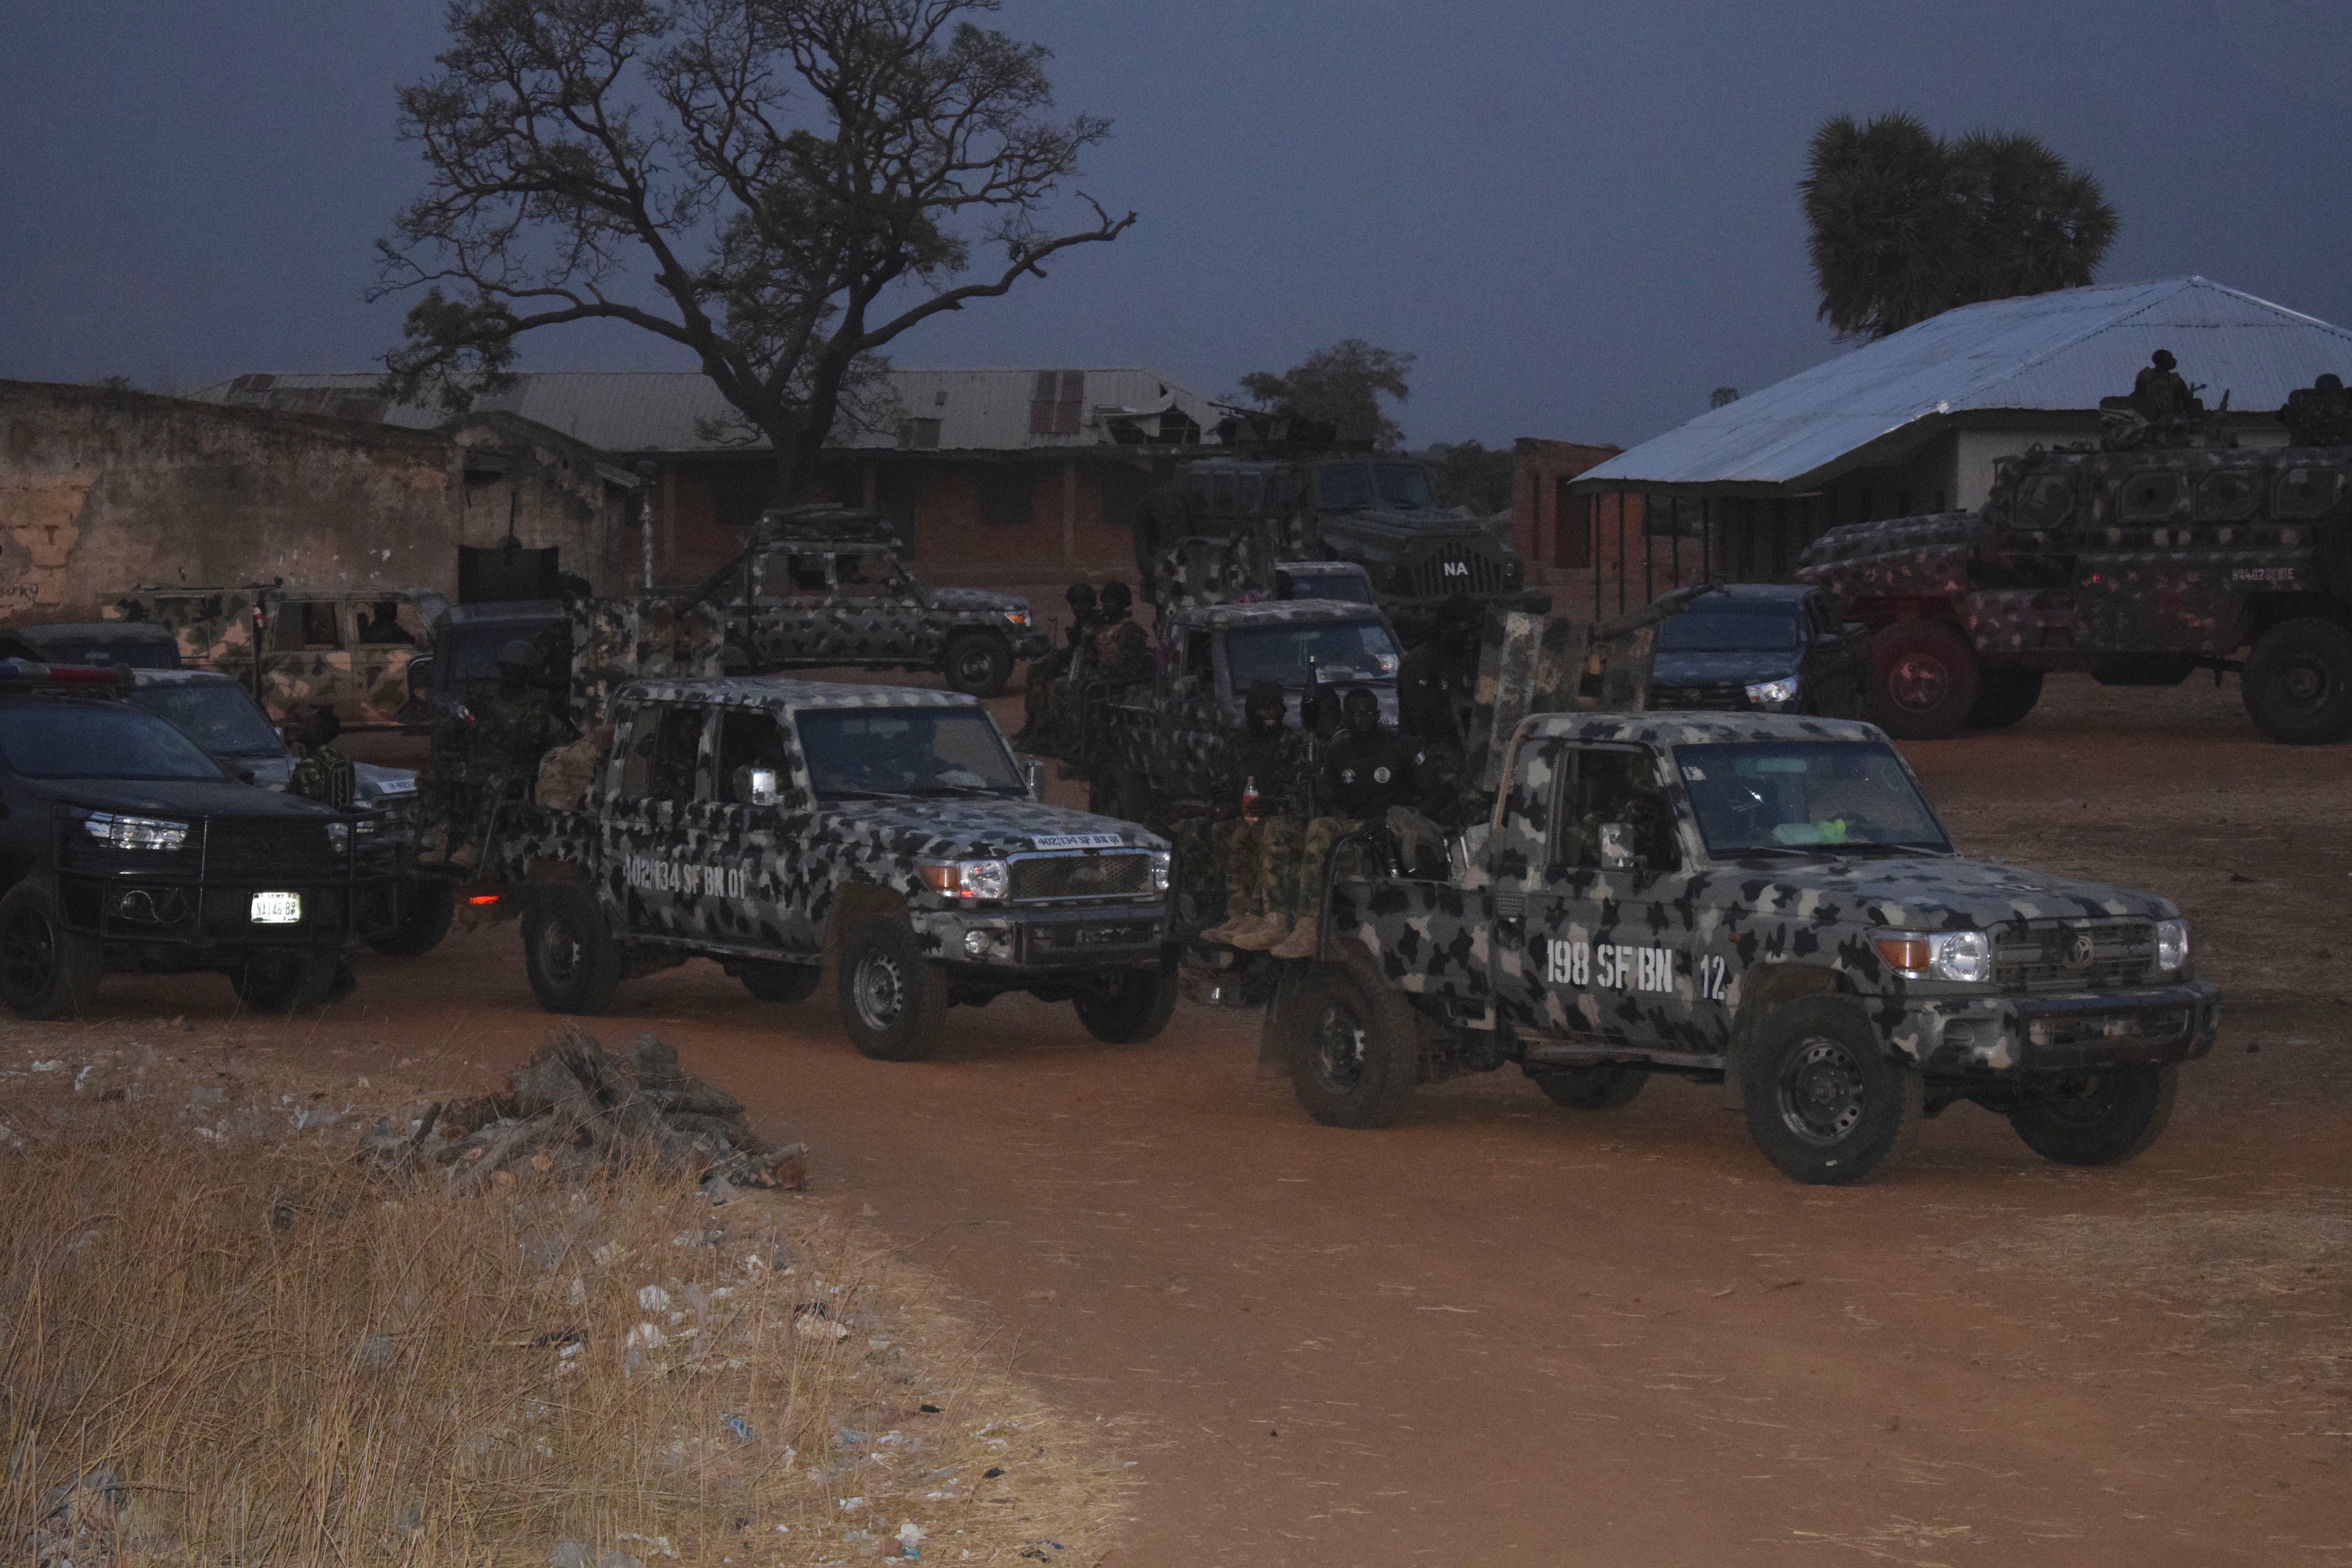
559 954
2303 682
29 953
1822 1093
879 992
2085 1102
1918 682
1339 1051
972 666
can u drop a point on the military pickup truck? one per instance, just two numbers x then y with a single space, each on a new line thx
1147 753
2140 566
828 587
1374 508
296 647
769 824
1763 901
125 847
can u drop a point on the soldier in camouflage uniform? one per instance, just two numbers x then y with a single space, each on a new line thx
1046 705
1367 768
485 748
1435 688
1257 805
1120 654
324 773
2319 415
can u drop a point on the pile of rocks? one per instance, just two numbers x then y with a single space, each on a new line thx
575 1107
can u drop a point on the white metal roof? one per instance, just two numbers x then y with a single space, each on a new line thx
2064 349
659 410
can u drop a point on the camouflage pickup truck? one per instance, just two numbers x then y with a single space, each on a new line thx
1147 753
828 587
2140 566
770 824
1763 901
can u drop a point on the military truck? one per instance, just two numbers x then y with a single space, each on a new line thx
1147 753
296 647
769 824
1763 901
1377 509
828 586
2140 566
125 847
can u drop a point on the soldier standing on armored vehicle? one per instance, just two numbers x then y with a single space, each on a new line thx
1045 703
1256 813
481 749
1367 768
2159 392
1435 684
2319 415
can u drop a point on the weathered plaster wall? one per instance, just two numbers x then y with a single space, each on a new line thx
103 490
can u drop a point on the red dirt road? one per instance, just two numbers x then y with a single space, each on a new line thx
1501 1332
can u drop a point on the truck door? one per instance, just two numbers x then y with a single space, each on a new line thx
1610 955
651 832
789 595
2133 576
307 660
874 613
763 900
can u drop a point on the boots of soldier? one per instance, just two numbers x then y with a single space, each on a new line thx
1267 933
1237 915
465 857
1301 942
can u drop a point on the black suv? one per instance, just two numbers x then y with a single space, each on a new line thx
125 847
1764 647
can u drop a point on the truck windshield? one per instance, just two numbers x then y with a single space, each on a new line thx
1348 586
1343 487
1813 797
1341 650
216 715
859 753
1727 634
53 741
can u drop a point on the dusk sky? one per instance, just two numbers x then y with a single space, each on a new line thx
1581 217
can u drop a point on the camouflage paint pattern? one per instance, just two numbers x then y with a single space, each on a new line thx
765 881
1485 951
893 622
614 641
365 682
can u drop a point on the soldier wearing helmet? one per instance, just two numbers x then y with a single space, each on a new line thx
1045 703
482 750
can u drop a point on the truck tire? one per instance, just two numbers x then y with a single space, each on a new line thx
894 1000
1354 1049
45 971
427 905
781 982
2103 1120
1923 681
2005 694
286 979
1133 1009
1606 1087
2297 685
568 952
1824 1101
977 664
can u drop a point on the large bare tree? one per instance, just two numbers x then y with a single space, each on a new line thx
780 186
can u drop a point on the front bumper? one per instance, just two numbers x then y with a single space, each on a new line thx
1102 936
2052 1036
1032 644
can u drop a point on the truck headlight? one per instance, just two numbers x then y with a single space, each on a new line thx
1773 693
134 832
2172 947
1018 617
1962 955
1160 870
966 879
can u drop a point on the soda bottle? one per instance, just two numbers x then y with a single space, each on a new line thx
1249 799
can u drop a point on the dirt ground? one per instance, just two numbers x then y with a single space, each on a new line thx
1501 1332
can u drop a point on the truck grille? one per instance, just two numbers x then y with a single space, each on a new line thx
2074 954
1712 697
246 849
1081 876
1457 569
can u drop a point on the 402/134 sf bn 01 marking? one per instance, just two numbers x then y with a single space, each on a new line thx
1622 966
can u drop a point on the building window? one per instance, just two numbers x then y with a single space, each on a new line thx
1572 524
919 435
1056 402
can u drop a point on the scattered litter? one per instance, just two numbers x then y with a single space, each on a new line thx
735 1424
652 1297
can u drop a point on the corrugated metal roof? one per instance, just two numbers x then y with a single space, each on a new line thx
2064 349
657 411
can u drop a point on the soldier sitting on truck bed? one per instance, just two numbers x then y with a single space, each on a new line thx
1046 702
1367 768
1435 685
479 750
2319 415
1256 813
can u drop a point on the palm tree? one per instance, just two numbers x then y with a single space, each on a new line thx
1906 225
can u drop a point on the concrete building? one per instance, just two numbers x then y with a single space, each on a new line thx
101 490
998 475
1914 422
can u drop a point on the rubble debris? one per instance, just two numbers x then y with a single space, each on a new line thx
576 1107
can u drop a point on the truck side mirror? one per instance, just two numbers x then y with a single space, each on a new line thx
1617 848
1033 772
766 787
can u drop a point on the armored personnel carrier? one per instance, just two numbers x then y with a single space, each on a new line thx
2140 566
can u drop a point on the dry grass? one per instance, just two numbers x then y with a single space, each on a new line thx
286 1358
